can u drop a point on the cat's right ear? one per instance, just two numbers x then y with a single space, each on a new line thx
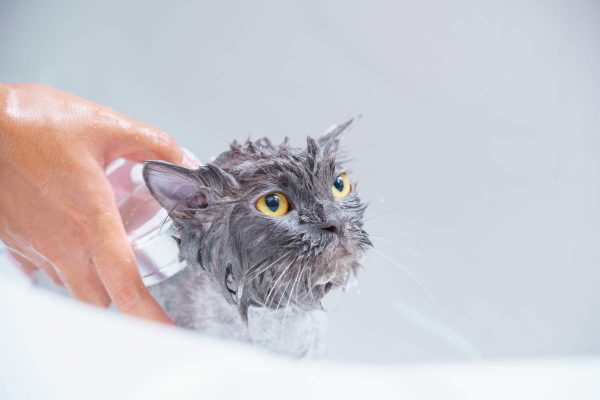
176 188
329 142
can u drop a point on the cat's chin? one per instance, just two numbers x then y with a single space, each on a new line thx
337 268
337 273
335 277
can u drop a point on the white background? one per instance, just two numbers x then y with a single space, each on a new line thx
480 143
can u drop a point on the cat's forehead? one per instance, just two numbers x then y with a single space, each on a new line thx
262 158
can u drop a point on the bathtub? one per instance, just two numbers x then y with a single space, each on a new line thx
53 347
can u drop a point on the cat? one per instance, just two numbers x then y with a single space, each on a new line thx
266 231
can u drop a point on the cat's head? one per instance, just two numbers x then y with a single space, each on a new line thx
274 225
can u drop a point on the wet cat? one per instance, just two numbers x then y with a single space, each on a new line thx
266 230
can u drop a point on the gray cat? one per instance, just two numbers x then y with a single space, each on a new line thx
266 232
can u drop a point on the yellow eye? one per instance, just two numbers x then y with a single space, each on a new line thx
341 186
273 205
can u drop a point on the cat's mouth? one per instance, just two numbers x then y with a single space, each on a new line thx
303 281
304 284
334 273
333 277
326 283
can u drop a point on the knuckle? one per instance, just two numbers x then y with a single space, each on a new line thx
99 213
102 300
127 297
94 216
166 141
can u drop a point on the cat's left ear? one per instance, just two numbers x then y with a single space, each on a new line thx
330 141
178 189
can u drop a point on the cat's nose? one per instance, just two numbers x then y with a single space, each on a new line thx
334 227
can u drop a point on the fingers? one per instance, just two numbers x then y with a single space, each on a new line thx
147 144
29 263
81 279
138 141
24 264
115 262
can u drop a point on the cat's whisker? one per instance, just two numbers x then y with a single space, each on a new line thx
253 274
298 291
282 297
273 289
387 276
420 282
287 307
392 211
310 286
297 283
273 284
403 268
405 243
250 275
382 239
396 243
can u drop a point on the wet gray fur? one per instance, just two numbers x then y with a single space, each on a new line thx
253 277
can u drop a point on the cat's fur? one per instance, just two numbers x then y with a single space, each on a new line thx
252 277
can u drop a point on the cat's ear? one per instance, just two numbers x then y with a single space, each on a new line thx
329 142
177 188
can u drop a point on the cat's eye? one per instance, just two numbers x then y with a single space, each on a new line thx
273 205
341 186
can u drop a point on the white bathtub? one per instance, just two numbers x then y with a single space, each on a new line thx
53 347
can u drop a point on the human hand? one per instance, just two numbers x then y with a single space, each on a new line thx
57 210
